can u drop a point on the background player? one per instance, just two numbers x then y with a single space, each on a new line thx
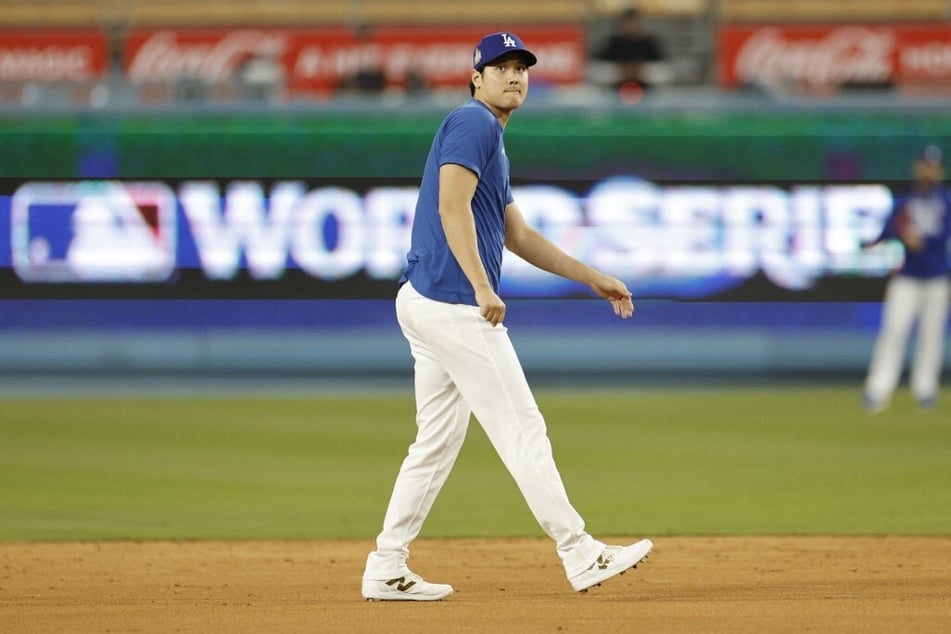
919 291
449 310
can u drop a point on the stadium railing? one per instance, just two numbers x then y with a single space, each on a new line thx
892 11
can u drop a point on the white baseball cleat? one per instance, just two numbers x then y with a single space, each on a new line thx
409 587
614 560
874 405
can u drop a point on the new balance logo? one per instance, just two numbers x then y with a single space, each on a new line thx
401 584
508 41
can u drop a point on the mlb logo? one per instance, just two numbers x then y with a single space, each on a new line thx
93 231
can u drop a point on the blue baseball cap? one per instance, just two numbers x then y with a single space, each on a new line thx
933 154
495 45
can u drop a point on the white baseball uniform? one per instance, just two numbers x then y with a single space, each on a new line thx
464 366
919 292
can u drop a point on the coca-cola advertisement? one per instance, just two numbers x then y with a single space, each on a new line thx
821 57
52 55
318 61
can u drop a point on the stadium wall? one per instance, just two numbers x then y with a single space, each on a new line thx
670 138
346 327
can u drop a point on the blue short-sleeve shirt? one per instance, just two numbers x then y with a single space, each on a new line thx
469 136
930 213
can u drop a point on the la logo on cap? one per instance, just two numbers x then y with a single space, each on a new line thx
508 41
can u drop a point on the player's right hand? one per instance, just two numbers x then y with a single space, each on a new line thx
491 306
912 239
908 233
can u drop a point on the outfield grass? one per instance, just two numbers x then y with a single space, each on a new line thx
653 462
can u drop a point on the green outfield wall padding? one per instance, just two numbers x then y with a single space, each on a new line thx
722 146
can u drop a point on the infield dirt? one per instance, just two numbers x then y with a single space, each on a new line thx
689 584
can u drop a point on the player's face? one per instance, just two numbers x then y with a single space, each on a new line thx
929 172
503 84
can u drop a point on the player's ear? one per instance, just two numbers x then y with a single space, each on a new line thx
475 80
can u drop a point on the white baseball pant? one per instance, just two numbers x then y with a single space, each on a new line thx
464 365
906 300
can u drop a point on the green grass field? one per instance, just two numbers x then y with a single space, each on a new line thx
641 462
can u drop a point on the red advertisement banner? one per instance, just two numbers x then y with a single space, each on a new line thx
823 56
316 61
54 55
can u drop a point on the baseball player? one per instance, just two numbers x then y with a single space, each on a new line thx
919 291
449 310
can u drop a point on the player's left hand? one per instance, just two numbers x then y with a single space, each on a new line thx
616 292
